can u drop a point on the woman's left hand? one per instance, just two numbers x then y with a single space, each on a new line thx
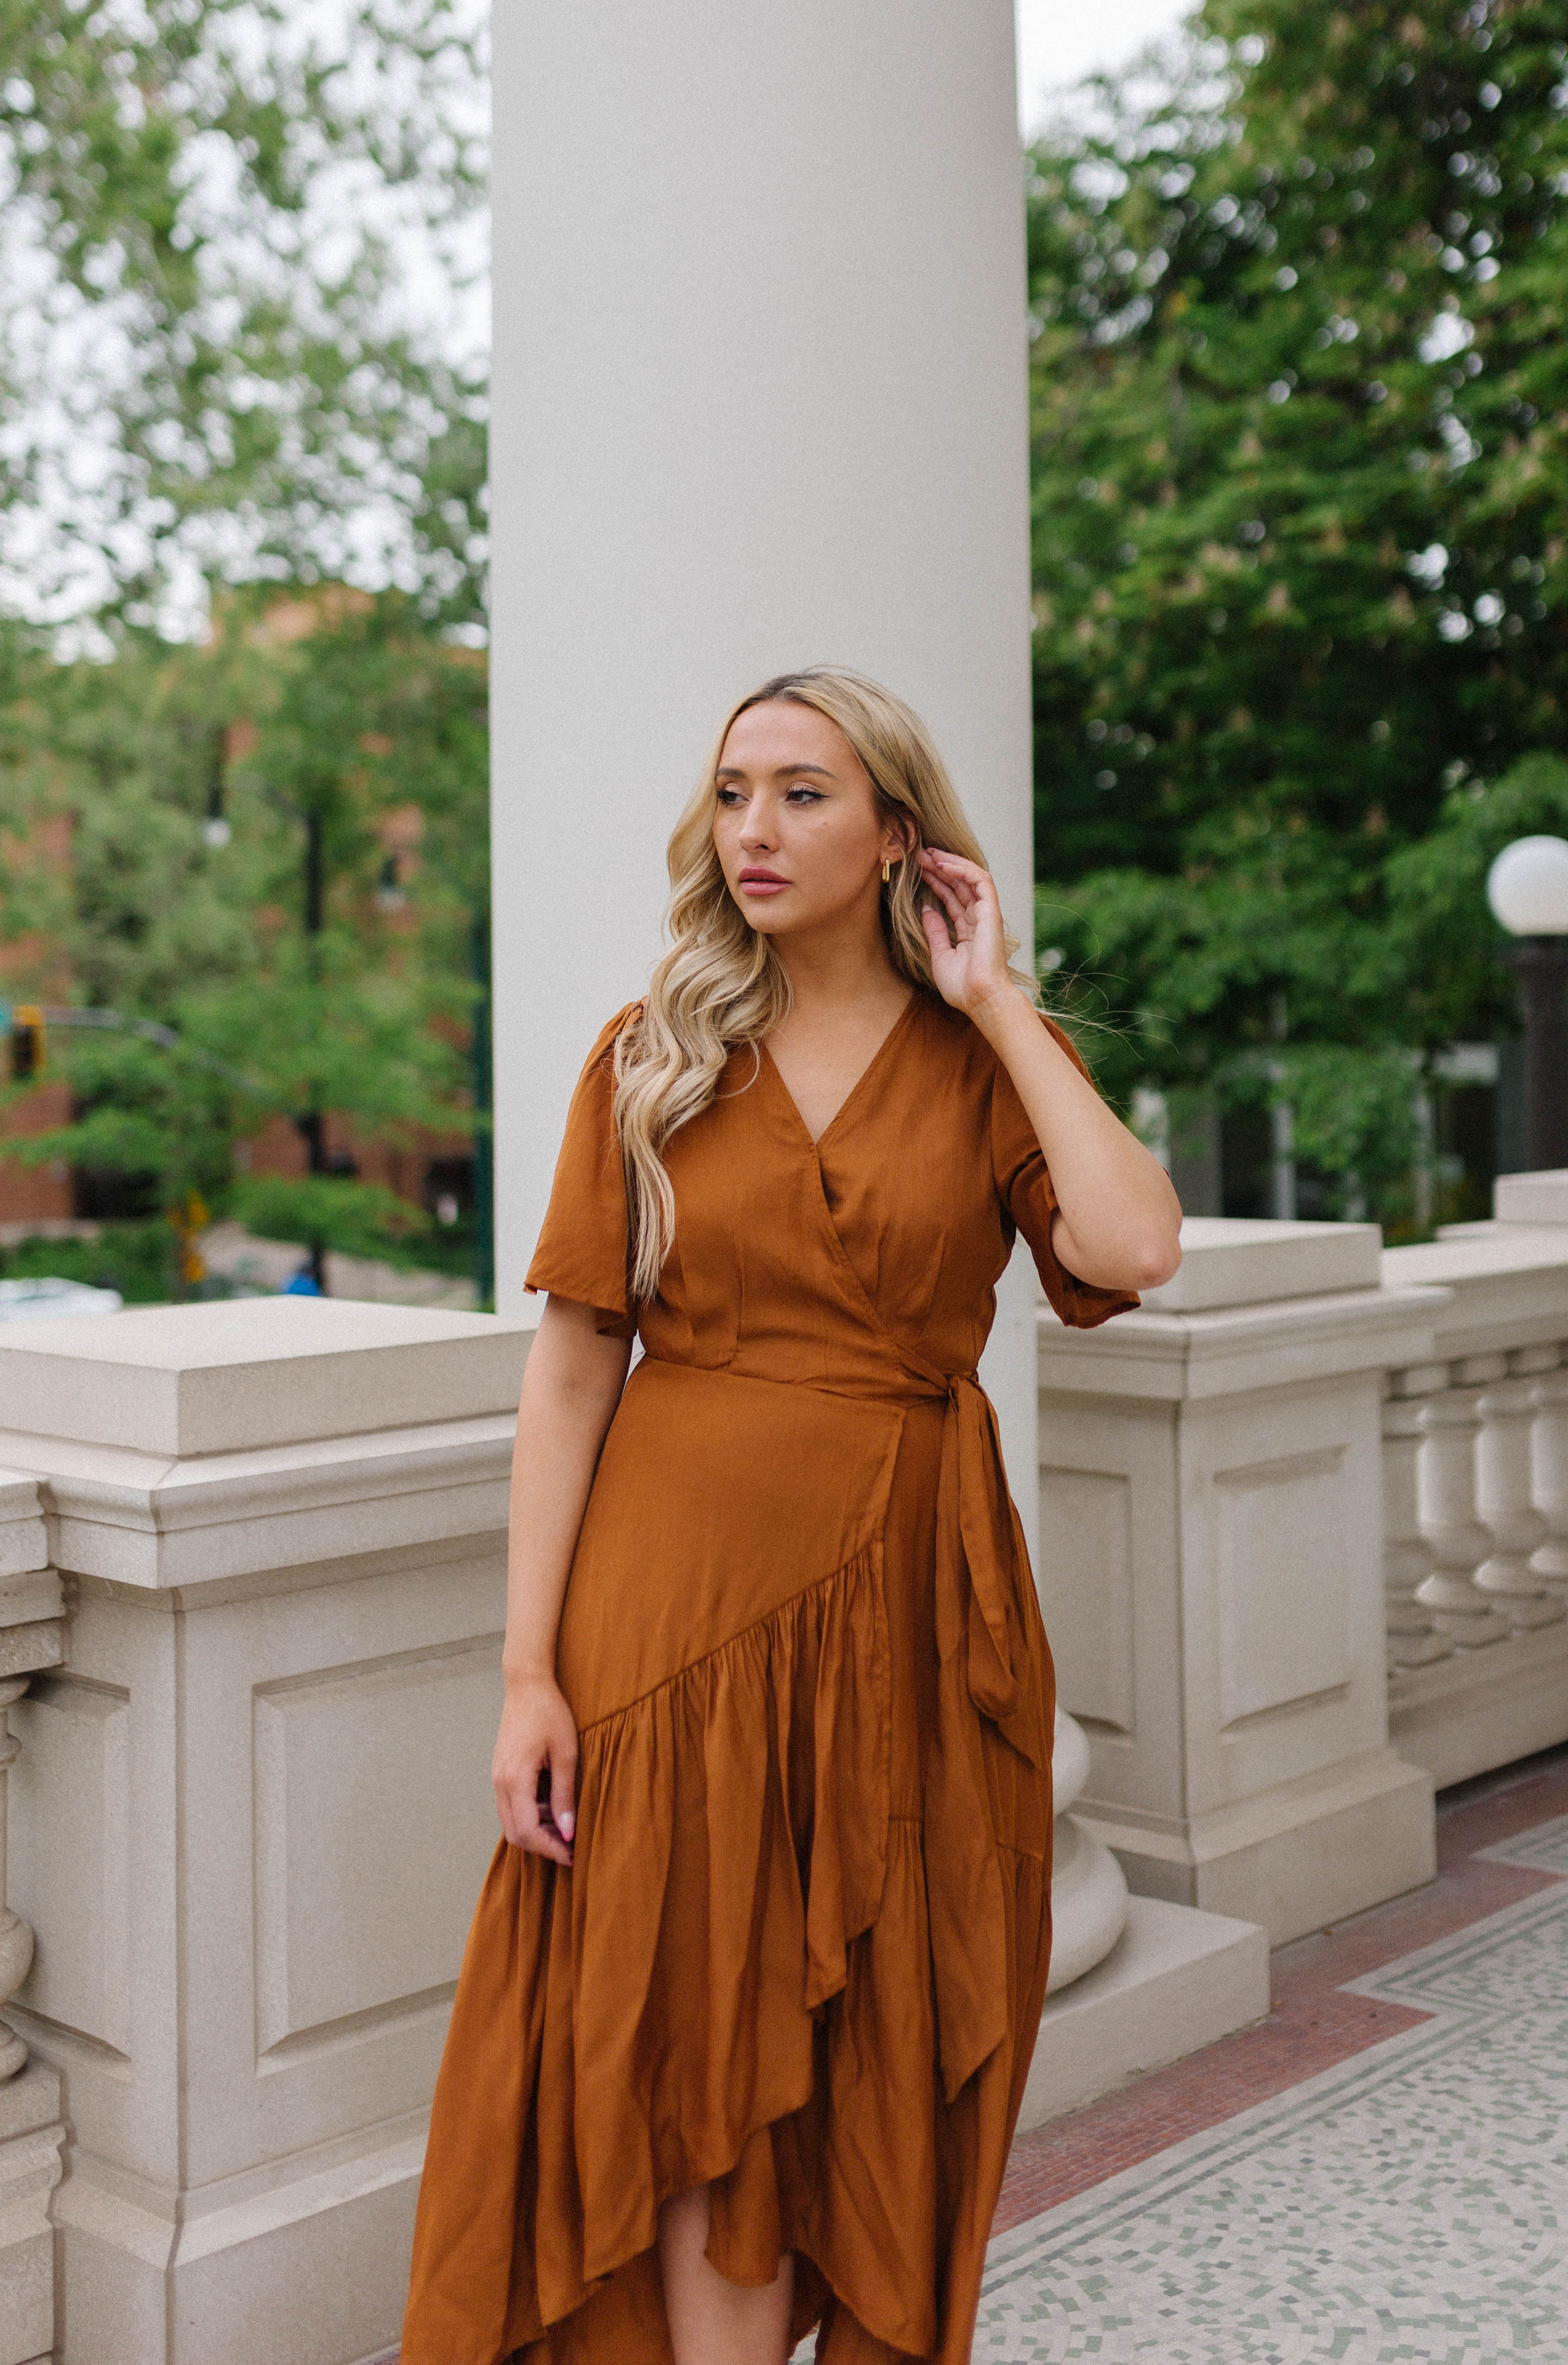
969 956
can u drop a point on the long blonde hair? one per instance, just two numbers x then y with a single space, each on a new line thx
722 984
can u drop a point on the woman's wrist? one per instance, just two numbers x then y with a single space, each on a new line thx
1004 1017
523 1675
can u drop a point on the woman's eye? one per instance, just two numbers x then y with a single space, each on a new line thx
728 797
804 797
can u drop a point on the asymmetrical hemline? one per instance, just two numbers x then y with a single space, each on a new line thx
800 1954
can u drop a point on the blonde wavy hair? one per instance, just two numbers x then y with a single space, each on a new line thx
721 984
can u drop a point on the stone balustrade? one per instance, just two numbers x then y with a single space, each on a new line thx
1476 1459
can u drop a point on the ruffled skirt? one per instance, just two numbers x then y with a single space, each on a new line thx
734 1985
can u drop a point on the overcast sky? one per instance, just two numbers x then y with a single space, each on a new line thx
1061 40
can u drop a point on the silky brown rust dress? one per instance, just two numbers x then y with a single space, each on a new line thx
802 1952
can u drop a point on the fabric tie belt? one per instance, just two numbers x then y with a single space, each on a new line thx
988 1663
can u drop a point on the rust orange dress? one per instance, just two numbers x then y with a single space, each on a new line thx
802 1952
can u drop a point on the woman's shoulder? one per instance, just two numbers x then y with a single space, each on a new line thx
604 1041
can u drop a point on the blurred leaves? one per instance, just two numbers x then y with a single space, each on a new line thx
1301 470
241 292
350 714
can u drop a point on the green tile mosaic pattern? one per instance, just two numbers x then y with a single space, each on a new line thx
1407 2207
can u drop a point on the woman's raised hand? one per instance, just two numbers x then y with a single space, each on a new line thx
968 956
536 1749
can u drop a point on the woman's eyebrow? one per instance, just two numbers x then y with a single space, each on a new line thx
784 771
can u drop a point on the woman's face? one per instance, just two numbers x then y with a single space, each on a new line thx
796 825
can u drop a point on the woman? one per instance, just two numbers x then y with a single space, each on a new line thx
751 1991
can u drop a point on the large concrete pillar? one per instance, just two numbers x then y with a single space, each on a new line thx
759 399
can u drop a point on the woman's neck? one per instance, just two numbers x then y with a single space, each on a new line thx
840 976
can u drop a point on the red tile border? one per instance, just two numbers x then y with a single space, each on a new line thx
1313 2024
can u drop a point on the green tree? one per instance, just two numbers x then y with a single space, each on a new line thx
1301 455
289 969
241 344
240 244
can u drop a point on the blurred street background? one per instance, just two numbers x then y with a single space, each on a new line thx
1300 451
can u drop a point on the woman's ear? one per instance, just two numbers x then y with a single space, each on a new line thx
900 838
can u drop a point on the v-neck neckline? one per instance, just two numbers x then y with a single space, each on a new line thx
815 1141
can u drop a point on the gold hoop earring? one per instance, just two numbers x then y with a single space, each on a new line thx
887 873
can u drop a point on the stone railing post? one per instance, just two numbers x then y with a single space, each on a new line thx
1212 1574
1549 1471
32 2134
1450 1425
1504 1478
252 1809
1413 1638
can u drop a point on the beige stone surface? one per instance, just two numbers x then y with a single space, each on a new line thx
1176 1980
1226 1261
251 1373
1539 1198
30 2140
1482 1708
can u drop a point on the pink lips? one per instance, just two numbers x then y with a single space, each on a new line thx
762 882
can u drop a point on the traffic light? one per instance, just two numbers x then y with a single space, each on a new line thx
29 1049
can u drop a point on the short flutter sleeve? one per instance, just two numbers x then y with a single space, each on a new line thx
1024 1186
581 1253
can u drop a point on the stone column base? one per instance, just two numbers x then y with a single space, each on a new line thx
312 2270
30 2140
1175 1981
1295 1858
1478 1709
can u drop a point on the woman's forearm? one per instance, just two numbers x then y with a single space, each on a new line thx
571 1386
1119 1219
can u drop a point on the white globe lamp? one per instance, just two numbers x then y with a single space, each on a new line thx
1528 889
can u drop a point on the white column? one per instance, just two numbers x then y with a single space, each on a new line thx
759 400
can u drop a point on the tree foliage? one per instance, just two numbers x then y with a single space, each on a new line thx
339 718
1301 469
240 241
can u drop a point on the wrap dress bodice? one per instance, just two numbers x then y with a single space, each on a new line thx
801 1644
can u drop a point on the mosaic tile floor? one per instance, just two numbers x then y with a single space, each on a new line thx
1409 2203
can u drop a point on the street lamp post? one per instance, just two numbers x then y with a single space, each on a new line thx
1528 889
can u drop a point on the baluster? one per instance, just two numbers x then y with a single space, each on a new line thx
16 1935
1413 1641
1549 1457
1446 1490
1502 1494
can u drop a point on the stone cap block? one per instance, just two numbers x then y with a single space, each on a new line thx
252 1372
1236 1261
1540 1198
